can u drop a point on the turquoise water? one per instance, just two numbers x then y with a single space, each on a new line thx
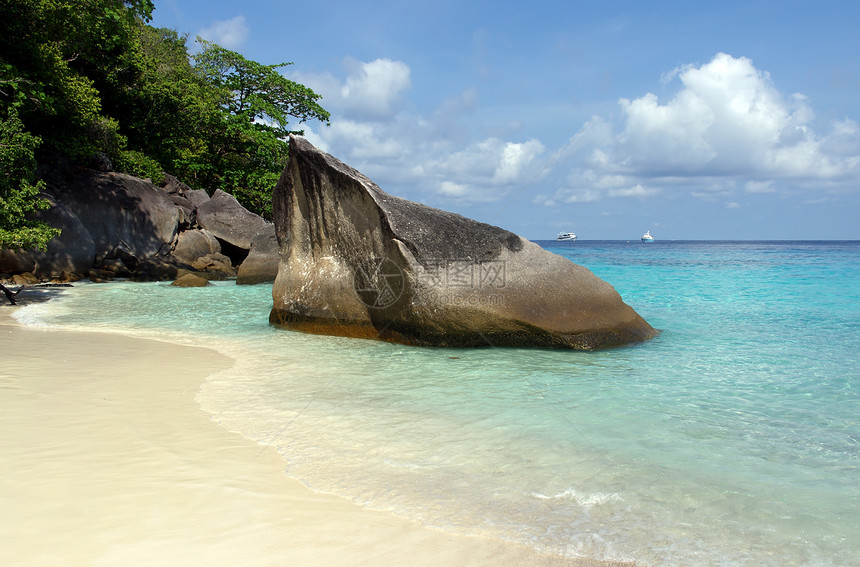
731 439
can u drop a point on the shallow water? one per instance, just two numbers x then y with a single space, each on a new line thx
731 439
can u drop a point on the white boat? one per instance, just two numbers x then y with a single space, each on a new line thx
647 237
566 236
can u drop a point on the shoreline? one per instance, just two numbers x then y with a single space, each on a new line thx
108 459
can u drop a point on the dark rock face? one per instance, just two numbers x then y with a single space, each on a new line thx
16 262
117 208
115 225
261 265
227 220
356 261
73 252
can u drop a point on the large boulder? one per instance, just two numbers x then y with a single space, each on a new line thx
72 252
121 209
356 261
261 265
215 267
227 220
196 196
14 261
194 244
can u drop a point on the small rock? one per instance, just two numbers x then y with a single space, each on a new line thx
191 280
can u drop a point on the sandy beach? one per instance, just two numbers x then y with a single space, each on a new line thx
106 459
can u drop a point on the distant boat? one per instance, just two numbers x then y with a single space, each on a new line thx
566 236
647 237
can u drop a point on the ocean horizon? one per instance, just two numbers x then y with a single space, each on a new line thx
732 438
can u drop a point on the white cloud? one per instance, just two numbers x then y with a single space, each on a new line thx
583 196
230 33
491 166
494 160
728 119
760 186
514 159
726 129
453 189
375 131
727 124
636 191
374 90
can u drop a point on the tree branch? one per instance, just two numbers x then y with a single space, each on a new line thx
10 295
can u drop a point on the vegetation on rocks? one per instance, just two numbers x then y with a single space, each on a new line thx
90 82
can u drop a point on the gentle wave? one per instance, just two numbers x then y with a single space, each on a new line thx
731 439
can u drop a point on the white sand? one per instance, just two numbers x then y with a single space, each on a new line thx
106 459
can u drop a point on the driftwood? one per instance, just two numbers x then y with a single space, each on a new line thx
11 295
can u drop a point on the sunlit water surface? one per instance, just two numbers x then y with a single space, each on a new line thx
731 439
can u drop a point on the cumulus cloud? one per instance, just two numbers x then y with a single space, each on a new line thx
490 167
725 131
493 160
374 130
727 121
230 33
371 91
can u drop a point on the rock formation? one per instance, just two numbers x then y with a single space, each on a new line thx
115 225
117 208
228 221
261 265
356 261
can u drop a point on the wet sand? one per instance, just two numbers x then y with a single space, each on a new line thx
106 459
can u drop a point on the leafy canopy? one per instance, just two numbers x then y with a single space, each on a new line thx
81 79
255 102
19 196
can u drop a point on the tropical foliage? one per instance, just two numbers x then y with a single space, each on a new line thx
90 81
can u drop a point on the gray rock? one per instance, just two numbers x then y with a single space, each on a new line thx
117 208
187 211
227 220
215 266
356 261
174 186
158 268
16 261
190 280
196 196
73 251
194 244
261 265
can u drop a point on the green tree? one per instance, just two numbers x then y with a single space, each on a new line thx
246 138
161 105
52 53
84 78
56 57
19 194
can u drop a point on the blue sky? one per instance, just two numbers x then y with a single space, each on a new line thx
730 120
